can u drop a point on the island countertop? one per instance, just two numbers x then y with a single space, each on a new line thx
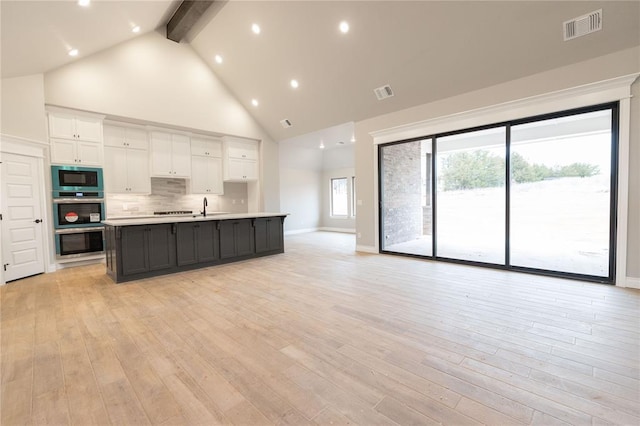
125 221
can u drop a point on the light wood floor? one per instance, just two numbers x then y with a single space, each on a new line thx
319 335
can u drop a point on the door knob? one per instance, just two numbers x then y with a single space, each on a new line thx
38 220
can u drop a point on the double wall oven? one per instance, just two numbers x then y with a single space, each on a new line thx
78 211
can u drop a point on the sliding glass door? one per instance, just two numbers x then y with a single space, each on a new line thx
536 195
470 206
406 218
561 194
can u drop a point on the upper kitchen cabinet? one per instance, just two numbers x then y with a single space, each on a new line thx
206 166
75 139
75 127
240 159
126 160
170 155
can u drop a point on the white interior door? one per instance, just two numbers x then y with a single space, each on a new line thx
22 227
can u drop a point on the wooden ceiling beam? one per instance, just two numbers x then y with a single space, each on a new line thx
185 17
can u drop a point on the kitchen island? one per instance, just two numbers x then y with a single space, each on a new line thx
150 246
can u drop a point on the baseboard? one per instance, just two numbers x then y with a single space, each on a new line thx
345 230
300 231
366 249
632 282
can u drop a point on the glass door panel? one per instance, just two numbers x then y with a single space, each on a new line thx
406 196
470 197
561 194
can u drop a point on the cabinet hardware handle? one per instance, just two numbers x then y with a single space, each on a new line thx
38 220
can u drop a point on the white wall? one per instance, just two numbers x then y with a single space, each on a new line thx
300 186
22 107
156 80
598 69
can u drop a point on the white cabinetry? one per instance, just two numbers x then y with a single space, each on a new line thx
170 155
75 139
75 127
126 165
206 166
240 160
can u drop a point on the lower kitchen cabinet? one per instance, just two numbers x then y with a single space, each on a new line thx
268 234
236 238
197 242
147 248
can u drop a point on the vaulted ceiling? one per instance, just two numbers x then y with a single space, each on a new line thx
425 50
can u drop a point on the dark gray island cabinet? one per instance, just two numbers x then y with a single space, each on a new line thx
142 248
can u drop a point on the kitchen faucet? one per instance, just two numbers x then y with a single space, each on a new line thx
204 207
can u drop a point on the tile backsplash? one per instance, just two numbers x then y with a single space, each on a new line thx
172 194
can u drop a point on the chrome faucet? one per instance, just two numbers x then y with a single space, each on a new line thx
204 207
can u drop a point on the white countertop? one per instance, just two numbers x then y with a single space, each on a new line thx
148 220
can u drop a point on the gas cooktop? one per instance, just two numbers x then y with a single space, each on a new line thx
173 213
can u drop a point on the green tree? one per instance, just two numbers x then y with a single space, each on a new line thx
474 169
579 169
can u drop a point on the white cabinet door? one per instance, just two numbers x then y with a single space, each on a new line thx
63 152
126 171
114 136
215 172
161 154
136 138
206 147
62 126
250 170
138 171
206 175
115 169
89 153
88 129
240 170
181 156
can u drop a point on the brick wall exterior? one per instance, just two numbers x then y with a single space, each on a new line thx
402 197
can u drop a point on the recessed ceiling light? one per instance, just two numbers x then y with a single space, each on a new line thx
344 27
135 29
73 52
255 28
294 83
254 102
84 3
218 59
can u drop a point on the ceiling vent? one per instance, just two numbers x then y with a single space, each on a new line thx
583 25
383 92
286 123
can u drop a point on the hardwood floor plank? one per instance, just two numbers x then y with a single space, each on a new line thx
402 414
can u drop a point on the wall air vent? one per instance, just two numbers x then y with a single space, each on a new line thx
583 25
383 92
286 123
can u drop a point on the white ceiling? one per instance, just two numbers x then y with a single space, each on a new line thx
37 35
426 50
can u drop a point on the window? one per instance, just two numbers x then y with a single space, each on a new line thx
339 197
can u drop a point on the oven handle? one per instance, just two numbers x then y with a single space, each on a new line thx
77 200
79 230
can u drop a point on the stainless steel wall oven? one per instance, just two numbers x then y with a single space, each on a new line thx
78 215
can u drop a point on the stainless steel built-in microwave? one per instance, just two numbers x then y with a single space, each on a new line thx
72 179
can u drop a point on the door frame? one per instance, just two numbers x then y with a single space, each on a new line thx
40 151
602 92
